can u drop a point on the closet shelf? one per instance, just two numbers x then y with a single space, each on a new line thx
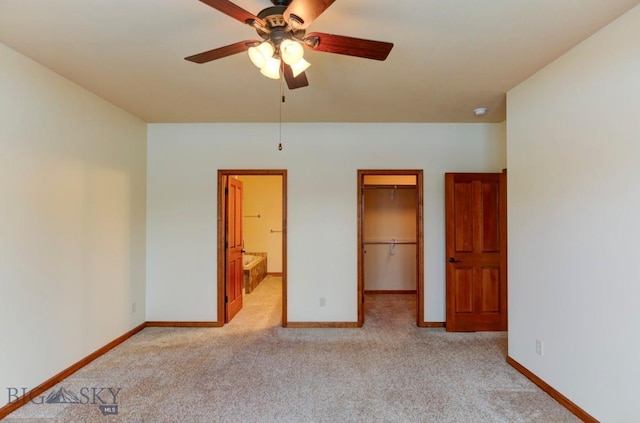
392 242
389 187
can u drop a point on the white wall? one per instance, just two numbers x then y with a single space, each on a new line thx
72 233
262 195
573 133
322 162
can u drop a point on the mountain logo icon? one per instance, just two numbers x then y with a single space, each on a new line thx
62 396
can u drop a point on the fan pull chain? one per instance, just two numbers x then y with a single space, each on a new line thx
280 125
280 143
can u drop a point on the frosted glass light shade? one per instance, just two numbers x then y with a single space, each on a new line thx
300 66
272 68
261 54
291 51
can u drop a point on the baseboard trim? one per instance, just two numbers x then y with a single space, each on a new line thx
564 401
163 324
431 324
390 291
51 382
322 325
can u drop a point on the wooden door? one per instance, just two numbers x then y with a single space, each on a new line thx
233 248
475 207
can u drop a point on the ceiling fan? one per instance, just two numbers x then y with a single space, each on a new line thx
282 28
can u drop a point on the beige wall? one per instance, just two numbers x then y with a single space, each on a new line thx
322 161
574 162
262 195
72 222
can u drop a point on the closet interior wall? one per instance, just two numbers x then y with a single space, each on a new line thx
390 234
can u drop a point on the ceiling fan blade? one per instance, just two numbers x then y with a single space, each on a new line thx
306 10
339 44
221 52
294 82
233 10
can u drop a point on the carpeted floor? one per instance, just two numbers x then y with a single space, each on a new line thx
253 370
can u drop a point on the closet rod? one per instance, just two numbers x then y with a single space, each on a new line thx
388 242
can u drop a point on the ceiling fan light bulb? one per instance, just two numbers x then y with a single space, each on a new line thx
266 48
257 58
260 54
300 66
272 68
291 51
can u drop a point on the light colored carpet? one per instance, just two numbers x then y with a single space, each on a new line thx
253 370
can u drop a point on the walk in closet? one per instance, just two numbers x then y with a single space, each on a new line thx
389 228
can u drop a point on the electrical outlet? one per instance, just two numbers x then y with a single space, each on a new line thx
323 301
539 347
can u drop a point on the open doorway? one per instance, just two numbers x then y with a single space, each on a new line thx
390 236
251 222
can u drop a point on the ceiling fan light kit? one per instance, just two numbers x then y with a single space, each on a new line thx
291 51
269 60
261 53
272 68
282 28
299 67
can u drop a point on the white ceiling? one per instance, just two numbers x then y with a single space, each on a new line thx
450 56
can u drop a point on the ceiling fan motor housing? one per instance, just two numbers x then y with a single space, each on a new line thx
276 29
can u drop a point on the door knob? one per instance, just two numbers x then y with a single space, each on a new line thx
453 260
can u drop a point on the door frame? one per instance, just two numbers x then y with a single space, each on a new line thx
223 174
418 173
